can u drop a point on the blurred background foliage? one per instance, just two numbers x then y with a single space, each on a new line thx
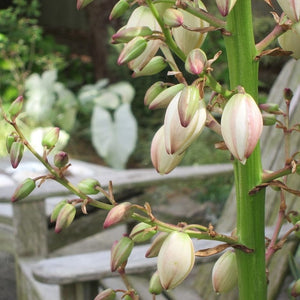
40 35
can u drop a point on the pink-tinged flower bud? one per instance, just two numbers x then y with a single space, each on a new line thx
163 162
188 104
155 287
175 259
156 245
173 17
120 252
291 8
57 210
225 6
16 153
288 94
61 159
132 50
65 217
15 108
289 41
23 190
241 125
272 108
117 214
295 292
177 137
89 186
188 40
195 61
142 232
108 294
269 119
153 91
119 9
51 137
163 99
83 3
154 66
10 139
224 273
125 35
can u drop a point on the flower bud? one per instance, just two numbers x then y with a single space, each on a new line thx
108 294
269 119
175 259
224 273
61 159
142 232
155 287
120 252
117 214
195 61
16 153
15 108
119 9
289 41
291 9
83 3
188 104
23 190
154 66
153 91
132 50
272 108
125 35
57 210
50 138
163 162
225 6
65 217
89 186
241 125
163 99
156 245
295 292
288 94
177 137
173 17
188 40
10 139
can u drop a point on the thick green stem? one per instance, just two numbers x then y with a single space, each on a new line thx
243 70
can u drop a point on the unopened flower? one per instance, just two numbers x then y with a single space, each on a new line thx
50 138
89 186
289 41
291 8
177 137
241 125
175 259
117 214
225 6
10 139
61 159
125 35
154 66
196 61
108 294
65 217
163 162
119 9
155 287
16 153
269 119
57 209
120 252
153 91
23 190
156 245
173 17
188 40
142 232
15 108
224 273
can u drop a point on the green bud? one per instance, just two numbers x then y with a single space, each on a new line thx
132 50
23 190
154 66
288 94
272 108
156 245
89 186
83 3
61 159
269 119
155 287
173 17
153 91
164 98
119 9
120 252
125 35
127 297
16 153
50 138
10 139
57 210
65 217
108 294
142 232
15 108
